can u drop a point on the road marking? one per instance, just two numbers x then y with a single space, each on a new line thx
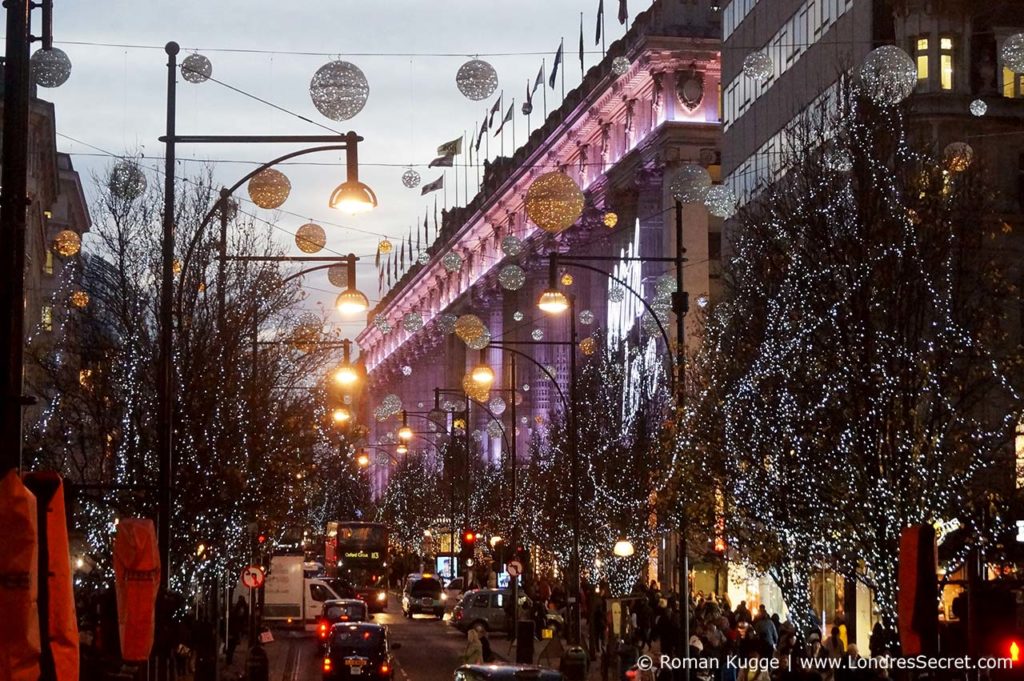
290 668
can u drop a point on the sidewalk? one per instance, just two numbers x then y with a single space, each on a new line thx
548 654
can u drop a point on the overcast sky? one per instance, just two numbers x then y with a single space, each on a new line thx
115 98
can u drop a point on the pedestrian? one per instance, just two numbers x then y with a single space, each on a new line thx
474 653
764 627
238 620
485 645
742 614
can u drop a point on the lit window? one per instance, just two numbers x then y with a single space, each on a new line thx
48 262
921 54
1013 85
46 317
946 63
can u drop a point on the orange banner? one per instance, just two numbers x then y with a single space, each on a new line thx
62 622
19 586
137 575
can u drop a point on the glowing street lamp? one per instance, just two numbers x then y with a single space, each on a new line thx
351 301
405 432
553 301
483 374
352 196
402 449
623 548
341 415
363 459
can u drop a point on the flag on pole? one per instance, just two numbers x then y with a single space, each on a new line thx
528 106
437 229
426 234
581 43
453 148
623 12
506 119
494 109
600 20
442 162
480 135
433 186
554 69
538 80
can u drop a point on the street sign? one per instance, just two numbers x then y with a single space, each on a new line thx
252 577
515 568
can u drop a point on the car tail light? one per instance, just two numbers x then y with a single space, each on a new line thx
1015 652
384 668
327 664
323 630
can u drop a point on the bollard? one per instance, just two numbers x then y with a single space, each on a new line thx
524 642
257 666
574 664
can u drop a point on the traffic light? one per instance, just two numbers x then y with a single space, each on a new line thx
468 548
498 551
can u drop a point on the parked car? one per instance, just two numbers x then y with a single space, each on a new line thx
453 589
359 650
505 672
423 595
339 610
486 608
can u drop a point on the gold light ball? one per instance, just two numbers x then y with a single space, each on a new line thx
338 275
610 219
67 243
480 393
567 279
554 202
385 246
459 424
307 332
269 188
176 266
310 238
588 346
79 299
469 328
958 156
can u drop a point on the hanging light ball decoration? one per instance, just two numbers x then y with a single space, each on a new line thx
453 404
474 390
616 294
495 429
469 327
566 279
50 68
338 276
79 299
512 277
554 202
586 317
758 66
958 156
339 90
446 323
649 323
837 160
126 180
497 405
620 65
537 334
422 258
610 219
307 332
476 80
887 75
391 404
407 371
412 322
720 201
310 238
511 246
691 183
269 188
384 246
452 261
195 68
382 324
411 179
67 243
588 346
1012 53
480 342
702 301
665 286
518 316
978 107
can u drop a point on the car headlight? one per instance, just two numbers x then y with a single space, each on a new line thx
444 596
382 596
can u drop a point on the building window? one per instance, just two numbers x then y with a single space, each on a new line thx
46 317
48 262
921 57
1013 84
946 63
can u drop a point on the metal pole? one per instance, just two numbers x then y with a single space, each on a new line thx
222 263
515 507
14 201
680 305
574 453
165 371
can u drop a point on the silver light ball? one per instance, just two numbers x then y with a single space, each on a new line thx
411 179
339 90
196 68
979 107
586 317
720 201
758 66
620 65
512 246
50 68
412 322
452 261
1012 53
887 75
512 277
691 183
476 79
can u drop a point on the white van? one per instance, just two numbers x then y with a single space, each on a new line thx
292 598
